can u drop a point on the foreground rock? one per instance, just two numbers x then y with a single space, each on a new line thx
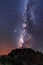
22 57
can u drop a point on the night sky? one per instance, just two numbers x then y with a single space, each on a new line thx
21 20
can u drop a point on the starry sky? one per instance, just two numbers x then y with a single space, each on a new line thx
21 19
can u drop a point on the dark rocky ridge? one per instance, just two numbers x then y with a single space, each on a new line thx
23 57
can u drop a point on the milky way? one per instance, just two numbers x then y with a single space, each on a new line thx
34 25
23 30
24 35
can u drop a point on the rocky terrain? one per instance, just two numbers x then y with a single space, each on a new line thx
25 56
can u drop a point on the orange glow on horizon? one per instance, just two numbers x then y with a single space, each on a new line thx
5 52
6 47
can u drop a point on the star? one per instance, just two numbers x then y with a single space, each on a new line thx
15 31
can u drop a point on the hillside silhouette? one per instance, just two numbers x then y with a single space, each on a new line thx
25 56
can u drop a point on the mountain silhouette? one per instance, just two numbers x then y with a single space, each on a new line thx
24 56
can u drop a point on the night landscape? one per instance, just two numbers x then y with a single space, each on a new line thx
21 32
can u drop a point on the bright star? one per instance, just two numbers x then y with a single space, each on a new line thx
15 31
